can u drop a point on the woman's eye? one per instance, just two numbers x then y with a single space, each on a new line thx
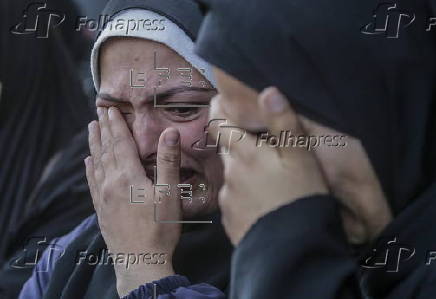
183 111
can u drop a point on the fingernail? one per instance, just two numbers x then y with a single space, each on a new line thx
171 137
99 111
275 103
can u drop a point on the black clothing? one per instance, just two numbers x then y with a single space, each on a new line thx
341 68
202 255
380 90
42 107
43 189
60 201
287 255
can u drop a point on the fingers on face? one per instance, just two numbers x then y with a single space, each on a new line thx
94 139
227 217
168 157
230 137
95 147
107 158
168 172
223 203
123 144
278 114
89 165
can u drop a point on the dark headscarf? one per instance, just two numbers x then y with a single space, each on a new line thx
42 107
337 65
376 87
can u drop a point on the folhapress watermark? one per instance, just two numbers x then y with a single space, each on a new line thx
38 20
287 139
119 24
221 146
389 20
33 252
104 257
393 254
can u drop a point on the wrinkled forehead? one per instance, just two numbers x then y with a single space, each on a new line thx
132 66
121 54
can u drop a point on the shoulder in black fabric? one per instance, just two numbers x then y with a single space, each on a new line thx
202 255
60 201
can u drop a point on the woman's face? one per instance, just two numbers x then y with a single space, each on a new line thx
348 171
132 77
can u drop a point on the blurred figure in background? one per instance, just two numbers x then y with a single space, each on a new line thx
42 107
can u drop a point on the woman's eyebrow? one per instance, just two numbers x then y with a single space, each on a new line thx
108 97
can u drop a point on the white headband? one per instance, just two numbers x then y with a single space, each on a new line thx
171 36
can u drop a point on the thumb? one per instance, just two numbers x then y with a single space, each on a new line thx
168 174
280 118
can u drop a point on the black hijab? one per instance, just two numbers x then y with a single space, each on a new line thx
375 87
339 67
203 252
42 107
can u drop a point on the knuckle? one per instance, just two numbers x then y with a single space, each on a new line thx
119 140
104 195
106 191
169 158
106 145
106 157
122 178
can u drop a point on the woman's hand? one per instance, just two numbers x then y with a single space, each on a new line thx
258 180
261 179
353 181
114 171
